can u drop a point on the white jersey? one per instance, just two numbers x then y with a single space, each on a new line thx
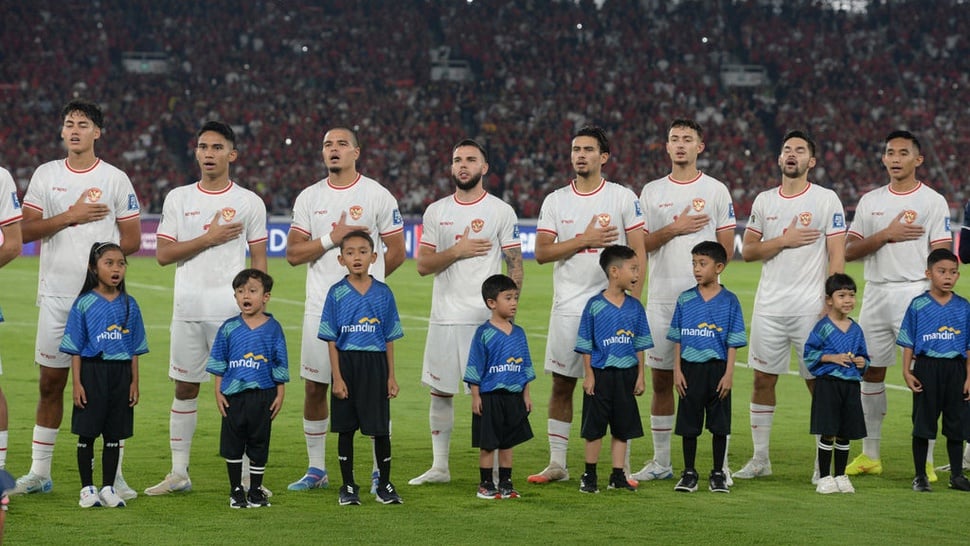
316 210
10 210
454 298
904 261
793 282
53 189
565 213
203 283
669 267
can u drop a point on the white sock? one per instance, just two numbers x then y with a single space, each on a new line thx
121 457
3 449
761 419
929 451
442 419
662 430
315 433
818 442
626 457
874 410
42 451
181 425
727 449
558 441
966 453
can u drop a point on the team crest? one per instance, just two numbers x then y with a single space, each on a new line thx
604 219
698 204
228 214
909 216
94 195
356 212
477 225
805 218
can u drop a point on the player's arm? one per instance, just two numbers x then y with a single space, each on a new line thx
80 397
394 252
130 232
858 247
835 246
257 256
549 249
910 379
757 249
680 382
589 382
683 224
133 388
300 249
727 380
169 251
392 388
35 226
527 396
221 401
476 398
966 384
12 242
277 404
634 238
726 238
432 261
339 387
513 264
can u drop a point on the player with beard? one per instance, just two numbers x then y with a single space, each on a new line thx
466 237
797 231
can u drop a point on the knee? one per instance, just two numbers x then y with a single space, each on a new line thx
663 382
315 392
764 382
186 391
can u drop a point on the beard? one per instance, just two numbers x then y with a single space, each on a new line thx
465 186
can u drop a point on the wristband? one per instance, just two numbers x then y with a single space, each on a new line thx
326 241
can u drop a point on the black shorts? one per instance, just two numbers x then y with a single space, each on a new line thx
107 386
702 399
837 409
366 407
942 380
246 426
504 422
612 404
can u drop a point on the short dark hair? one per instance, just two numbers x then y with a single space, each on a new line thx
802 135
901 133
712 249
86 107
940 255
614 255
221 128
243 277
358 233
495 285
596 132
474 144
838 281
353 134
685 123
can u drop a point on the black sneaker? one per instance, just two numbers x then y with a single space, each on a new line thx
587 484
507 491
687 482
237 498
718 482
921 484
487 491
257 498
619 481
959 482
386 494
349 494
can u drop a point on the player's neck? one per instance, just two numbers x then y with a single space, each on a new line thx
615 295
502 324
107 292
589 182
470 195
361 282
343 178
941 296
793 186
254 320
839 319
215 184
684 173
904 185
709 289
81 161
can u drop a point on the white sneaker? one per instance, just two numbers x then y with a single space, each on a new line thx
754 469
815 477
89 497
110 498
827 486
123 489
433 475
844 485
653 471
32 483
171 484
727 477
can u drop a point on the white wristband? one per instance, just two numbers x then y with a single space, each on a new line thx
326 241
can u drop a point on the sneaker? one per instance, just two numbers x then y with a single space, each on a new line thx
959 482
815 477
171 484
487 491
89 497
717 483
827 486
245 484
921 484
349 495
237 499
620 482
375 478
507 491
257 498
587 484
32 483
388 494
314 478
552 473
931 474
433 475
863 464
845 486
946 467
687 482
123 489
653 471
110 497
728 480
754 469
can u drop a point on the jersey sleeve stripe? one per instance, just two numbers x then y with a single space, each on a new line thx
836 234
856 233
429 245
393 232
129 217
753 230
726 227
635 226
945 240
257 241
166 237
549 231
12 220
38 208
294 227
513 245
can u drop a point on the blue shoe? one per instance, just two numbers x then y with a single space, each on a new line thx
313 479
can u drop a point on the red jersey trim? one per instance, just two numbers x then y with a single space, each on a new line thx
129 217
572 184
257 241
681 183
432 246
513 245
299 229
469 203
916 189
198 185
97 161
799 194
347 187
549 231
13 220
636 226
393 232
33 207
166 237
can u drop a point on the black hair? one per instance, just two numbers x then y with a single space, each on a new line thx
243 277
91 279
495 285
905 135
474 144
685 123
614 255
802 135
86 107
353 135
838 281
940 255
598 133
712 249
221 128
358 233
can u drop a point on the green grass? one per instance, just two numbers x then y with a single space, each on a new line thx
780 509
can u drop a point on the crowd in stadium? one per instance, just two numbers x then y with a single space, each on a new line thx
284 72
